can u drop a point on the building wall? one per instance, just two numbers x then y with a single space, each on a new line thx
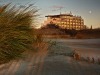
66 21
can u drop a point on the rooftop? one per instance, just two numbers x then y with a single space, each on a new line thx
59 15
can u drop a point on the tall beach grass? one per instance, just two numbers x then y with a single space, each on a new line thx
16 33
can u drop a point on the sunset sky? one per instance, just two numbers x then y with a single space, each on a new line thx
88 9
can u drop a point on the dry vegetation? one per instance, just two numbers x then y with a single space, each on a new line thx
54 31
16 33
89 33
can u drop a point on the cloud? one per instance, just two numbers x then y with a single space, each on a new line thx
56 6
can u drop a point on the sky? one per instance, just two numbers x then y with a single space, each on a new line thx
89 10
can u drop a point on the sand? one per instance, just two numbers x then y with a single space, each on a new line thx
55 61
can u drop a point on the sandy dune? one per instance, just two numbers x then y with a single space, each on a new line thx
54 61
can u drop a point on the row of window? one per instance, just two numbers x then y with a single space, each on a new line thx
71 26
70 20
67 19
70 23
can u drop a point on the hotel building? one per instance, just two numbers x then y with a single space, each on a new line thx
66 21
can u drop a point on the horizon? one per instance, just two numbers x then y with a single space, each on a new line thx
88 9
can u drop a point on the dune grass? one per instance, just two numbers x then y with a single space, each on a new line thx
16 33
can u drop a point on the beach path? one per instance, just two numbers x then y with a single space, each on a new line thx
54 61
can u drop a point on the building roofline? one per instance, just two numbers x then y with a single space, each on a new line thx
59 15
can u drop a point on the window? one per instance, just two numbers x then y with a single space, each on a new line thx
67 22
